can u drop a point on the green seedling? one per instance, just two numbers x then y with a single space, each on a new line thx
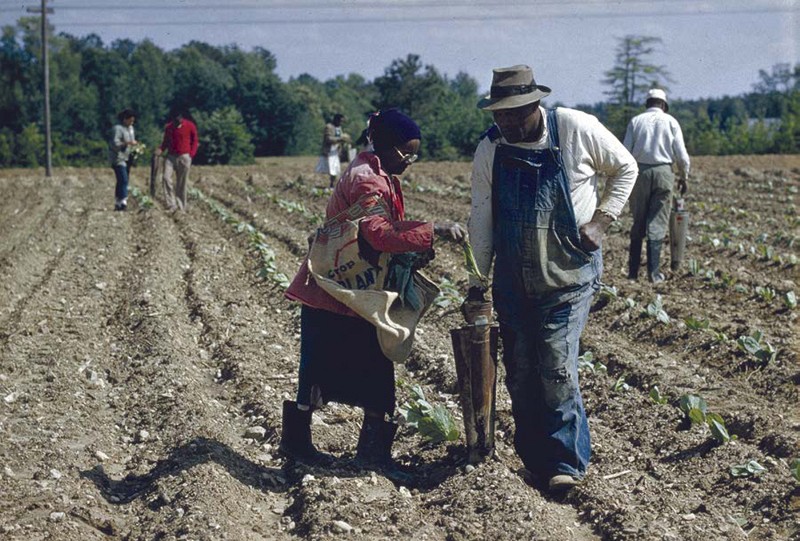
448 295
741 288
586 362
695 408
656 396
656 310
726 280
767 294
608 292
718 336
256 240
694 267
620 385
765 252
145 201
790 300
749 469
756 346
434 423
696 324
630 303
472 265
794 467
717 427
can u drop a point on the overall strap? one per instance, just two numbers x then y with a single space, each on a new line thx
552 130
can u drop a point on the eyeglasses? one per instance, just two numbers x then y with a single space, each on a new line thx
406 158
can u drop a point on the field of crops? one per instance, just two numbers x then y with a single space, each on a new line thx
144 357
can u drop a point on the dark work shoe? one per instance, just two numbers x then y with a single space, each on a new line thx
374 451
562 483
296 437
117 206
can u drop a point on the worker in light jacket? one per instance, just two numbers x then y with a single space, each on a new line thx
120 143
655 139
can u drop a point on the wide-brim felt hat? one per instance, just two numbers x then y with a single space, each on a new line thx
512 87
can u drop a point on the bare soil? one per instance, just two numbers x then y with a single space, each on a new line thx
144 357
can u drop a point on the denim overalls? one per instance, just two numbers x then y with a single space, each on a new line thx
542 290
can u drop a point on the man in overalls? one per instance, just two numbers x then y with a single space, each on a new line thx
536 210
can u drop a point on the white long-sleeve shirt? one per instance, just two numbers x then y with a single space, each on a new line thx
587 149
655 137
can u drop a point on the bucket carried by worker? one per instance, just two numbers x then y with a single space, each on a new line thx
678 231
156 170
475 351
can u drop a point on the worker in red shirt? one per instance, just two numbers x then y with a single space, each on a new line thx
180 142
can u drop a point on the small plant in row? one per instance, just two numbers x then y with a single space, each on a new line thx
144 201
696 410
755 345
655 309
750 468
704 325
433 422
256 240
587 363
449 295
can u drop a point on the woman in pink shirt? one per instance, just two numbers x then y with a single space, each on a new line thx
340 358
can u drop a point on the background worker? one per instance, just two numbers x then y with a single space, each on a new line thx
656 141
120 144
535 210
180 142
333 137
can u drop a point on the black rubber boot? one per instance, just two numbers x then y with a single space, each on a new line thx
634 259
296 437
654 261
374 450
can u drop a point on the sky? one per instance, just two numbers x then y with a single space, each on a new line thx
711 48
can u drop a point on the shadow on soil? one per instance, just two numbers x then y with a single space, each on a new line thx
202 450
185 457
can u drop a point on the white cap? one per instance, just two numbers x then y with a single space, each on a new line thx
657 93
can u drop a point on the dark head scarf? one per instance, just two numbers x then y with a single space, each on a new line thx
125 113
391 128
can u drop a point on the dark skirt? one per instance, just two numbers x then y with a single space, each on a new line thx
341 359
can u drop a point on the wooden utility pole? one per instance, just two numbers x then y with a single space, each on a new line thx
48 150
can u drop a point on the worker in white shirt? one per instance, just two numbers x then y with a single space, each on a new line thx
536 211
656 141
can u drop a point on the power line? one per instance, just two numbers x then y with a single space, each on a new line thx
353 5
791 6
415 19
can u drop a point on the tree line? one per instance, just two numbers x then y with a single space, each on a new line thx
243 109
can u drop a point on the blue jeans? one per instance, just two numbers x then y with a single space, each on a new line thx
543 286
552 432
121 189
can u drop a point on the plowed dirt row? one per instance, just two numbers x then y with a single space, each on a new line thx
143 364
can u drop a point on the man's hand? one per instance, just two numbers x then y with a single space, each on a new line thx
159 151
450 230
592 233
682 185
